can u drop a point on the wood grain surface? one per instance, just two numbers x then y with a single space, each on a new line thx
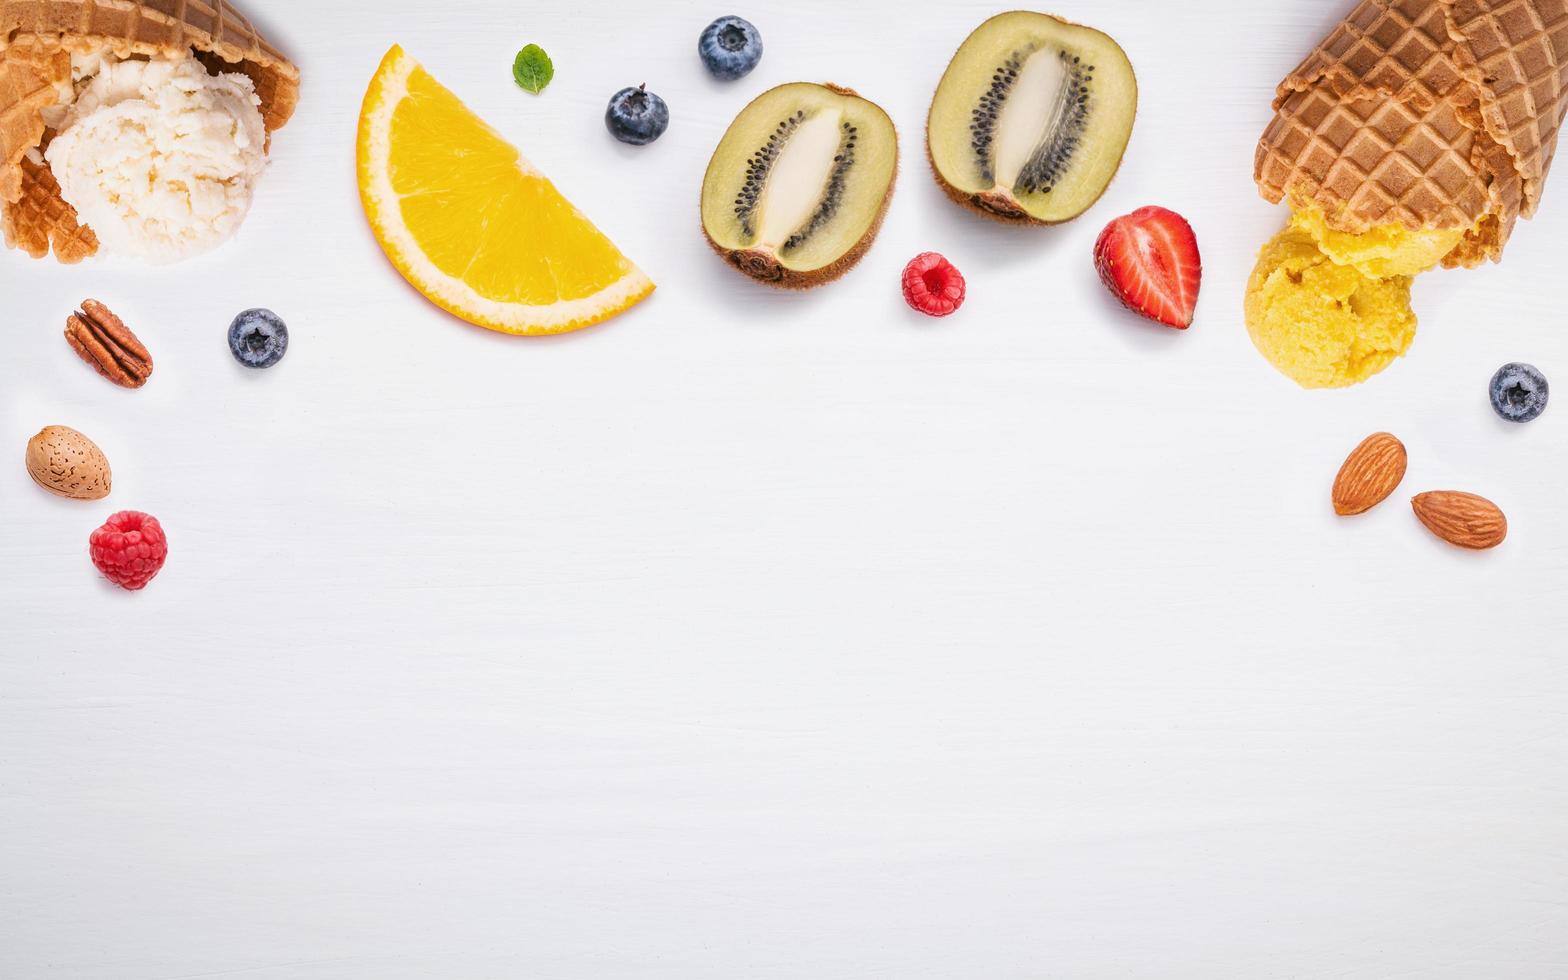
779 636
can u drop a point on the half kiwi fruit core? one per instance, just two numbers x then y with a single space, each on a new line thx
798 185
1031 119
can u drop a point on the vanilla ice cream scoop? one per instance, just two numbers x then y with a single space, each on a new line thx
160 158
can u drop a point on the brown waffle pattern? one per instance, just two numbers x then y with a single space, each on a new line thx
30 77
41 219
36 38
1516 53
1425 113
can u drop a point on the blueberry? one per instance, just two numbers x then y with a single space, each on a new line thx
258 339
637 116
1519 392
730 47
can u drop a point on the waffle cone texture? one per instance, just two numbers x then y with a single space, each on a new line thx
1430 114
37 38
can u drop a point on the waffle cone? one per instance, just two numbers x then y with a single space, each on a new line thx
37 38
1431 114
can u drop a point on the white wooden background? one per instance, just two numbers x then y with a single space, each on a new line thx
779 636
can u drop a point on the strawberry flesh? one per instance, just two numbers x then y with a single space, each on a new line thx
1149 260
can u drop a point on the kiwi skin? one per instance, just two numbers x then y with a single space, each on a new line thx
765 268
1001 207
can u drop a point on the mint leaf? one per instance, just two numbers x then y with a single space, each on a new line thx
533 69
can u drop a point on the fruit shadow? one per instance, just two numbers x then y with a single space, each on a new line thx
1432 548
393 279
973 241
1501 426
496 338
756 303
1137 332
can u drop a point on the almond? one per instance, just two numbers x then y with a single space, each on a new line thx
1373 470
1462 519
68 464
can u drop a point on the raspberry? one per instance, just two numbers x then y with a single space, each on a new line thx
129 549
933 285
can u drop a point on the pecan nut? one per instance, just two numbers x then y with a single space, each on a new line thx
103 340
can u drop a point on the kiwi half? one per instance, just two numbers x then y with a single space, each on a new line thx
798 186
1031 119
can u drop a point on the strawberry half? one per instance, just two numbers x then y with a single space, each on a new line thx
1150 260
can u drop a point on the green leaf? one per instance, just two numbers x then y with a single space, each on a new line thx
533 69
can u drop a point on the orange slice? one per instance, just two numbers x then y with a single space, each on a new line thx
471 223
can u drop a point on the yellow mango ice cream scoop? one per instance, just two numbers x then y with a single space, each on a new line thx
1323 323
1415 135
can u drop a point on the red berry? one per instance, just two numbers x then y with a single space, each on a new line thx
933 285
129 549
1150 260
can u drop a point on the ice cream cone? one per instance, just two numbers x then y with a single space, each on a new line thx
1429 114
37 39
